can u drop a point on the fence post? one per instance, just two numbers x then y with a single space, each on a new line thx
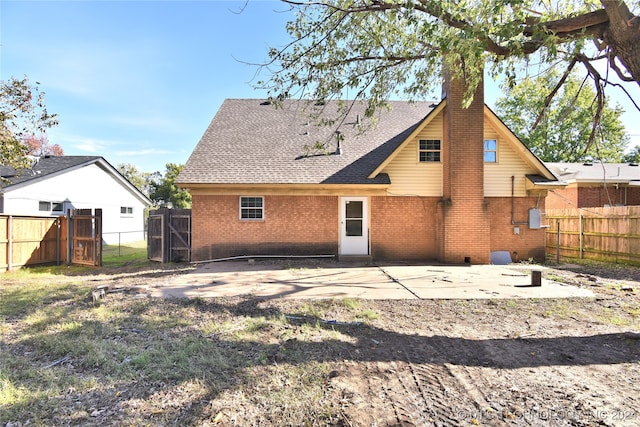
558 246
58 225
10 243
70 241
581 231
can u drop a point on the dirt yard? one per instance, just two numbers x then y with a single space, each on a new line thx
572 362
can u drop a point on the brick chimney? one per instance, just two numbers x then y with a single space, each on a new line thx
464 223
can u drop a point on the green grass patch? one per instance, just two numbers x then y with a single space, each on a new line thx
134 253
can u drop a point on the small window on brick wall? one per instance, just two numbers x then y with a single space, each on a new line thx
429 150
251 208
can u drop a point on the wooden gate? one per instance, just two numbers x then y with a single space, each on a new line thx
169 235
155 237
85 228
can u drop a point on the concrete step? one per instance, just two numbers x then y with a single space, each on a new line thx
355 258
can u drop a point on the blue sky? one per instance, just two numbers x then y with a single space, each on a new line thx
139 81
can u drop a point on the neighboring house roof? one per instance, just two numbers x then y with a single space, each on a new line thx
614 173
250 141
50 166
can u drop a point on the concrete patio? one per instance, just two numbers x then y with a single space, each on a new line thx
360 280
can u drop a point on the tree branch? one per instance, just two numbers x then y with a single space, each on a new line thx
552 94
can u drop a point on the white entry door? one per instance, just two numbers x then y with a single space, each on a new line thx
354 226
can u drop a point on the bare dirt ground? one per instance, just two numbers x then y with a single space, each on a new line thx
571 362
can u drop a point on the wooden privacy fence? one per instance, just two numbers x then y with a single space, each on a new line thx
606 234
28 240
32 240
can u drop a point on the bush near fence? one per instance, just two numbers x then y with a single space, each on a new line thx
610 234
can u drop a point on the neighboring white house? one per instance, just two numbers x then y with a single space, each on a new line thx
57 183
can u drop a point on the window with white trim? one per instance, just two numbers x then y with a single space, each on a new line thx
251 208
490 151
126 210
46 206
429 150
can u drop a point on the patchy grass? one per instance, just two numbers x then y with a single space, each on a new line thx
65 360
132 360
134 253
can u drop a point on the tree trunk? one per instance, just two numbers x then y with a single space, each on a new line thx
622 35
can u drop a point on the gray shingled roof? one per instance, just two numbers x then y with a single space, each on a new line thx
596 172
42 168
251 142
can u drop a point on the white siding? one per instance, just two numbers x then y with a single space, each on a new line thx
409 177
86 187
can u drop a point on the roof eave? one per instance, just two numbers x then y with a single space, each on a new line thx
284 189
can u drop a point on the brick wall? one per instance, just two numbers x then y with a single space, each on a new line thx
592 196
404 228
300 225
598 196
464 213
562 198
529 243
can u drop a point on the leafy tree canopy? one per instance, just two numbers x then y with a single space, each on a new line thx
376 50
633 156
141 180
163 188
40 146
23 116
563 132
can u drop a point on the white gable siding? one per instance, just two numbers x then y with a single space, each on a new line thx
86 187
497 176
409 177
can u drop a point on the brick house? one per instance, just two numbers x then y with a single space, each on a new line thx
592 185
430 181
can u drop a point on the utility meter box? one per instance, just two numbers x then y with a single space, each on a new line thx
534 218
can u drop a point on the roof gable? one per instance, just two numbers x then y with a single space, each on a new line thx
417 129
51 166
525 153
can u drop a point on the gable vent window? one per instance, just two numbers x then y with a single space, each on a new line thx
126 210
429 150
251 208
490 151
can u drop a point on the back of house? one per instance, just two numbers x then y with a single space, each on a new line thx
426 181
